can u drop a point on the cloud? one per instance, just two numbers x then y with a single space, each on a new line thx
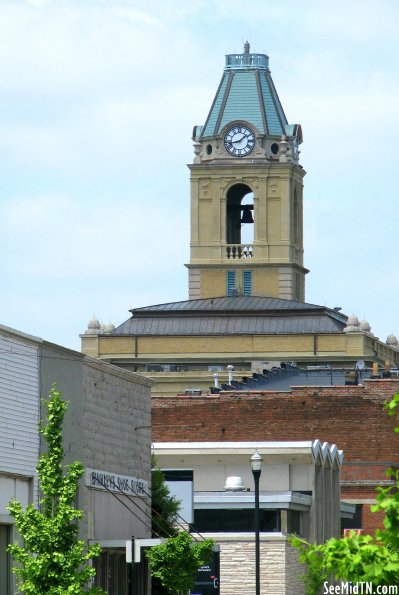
97 104
66 240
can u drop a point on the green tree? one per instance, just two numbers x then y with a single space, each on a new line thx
176 561
52 560
359 557
165 507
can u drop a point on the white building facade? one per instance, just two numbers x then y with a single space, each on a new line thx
19 440
298 493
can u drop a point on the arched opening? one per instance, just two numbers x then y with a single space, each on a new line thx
240 215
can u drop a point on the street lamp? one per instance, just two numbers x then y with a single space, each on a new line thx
256 466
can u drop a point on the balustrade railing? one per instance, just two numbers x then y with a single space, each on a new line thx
239 251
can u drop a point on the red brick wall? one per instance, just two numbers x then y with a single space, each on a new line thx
352 417
371 520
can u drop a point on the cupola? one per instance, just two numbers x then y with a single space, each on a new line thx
246 104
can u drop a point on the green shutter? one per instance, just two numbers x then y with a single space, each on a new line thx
247 282
230 282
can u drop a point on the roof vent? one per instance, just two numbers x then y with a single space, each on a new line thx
194 392
234 484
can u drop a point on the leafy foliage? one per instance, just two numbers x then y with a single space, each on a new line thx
359 557
176 561
52 560
165 508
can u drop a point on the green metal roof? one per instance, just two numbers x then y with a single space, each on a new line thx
247 93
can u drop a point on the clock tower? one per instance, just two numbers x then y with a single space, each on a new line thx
246 190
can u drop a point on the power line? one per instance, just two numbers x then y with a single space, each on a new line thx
124 503
178 516
182 527
149 527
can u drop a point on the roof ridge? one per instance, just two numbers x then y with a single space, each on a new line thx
231 299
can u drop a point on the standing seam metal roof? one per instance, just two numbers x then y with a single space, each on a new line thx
232 304
229 325
247 92
236 315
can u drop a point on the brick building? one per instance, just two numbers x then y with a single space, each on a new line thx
352 417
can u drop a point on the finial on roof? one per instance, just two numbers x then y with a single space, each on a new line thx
246 47
392 340
352 325
93 327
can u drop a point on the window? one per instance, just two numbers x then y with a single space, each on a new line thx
235 521
111 571
247 282
230 282
294 522
356 522
274 148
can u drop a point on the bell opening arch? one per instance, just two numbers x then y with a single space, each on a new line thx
240 215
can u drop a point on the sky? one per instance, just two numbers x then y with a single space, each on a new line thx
98 99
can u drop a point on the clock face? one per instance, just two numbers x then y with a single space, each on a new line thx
239 140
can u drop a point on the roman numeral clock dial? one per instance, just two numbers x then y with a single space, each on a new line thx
239 140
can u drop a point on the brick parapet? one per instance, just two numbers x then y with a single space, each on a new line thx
352 417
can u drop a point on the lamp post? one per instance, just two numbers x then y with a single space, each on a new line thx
256 466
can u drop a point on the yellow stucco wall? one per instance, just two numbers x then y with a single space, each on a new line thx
277 236
189 345
213 282
212 345
340 345
283 343
265 281
331 343
115 345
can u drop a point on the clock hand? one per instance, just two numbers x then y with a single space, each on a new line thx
238 140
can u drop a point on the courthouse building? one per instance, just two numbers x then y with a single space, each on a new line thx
246 274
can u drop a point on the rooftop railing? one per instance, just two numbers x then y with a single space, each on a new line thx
246 60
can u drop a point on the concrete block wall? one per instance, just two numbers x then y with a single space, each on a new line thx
106 404
114 405
116 421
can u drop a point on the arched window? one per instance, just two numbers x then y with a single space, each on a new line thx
240 215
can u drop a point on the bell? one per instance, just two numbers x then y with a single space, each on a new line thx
247 215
